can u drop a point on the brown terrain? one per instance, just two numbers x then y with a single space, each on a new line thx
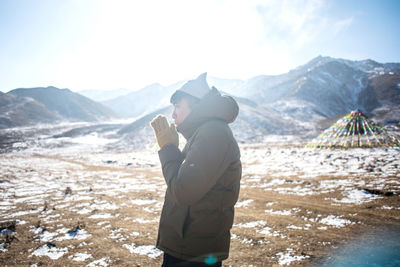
296 206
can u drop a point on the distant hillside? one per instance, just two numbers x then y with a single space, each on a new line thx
387 90
15 111
103 95
152 97
143 101
253 124
25 106
302 102
327 87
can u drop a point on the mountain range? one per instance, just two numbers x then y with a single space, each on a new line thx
302 101
29 106
324 87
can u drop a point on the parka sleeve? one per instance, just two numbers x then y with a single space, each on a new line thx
206 160
171 159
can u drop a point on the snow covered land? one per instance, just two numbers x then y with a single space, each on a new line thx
77 204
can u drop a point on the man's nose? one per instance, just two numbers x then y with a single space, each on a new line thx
174 115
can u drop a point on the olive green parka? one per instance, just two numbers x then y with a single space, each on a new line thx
203 183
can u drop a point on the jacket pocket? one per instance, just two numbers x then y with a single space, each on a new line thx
173 218
204 223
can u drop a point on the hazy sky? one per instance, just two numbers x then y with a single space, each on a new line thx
110 44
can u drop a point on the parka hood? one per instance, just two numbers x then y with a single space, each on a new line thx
211 106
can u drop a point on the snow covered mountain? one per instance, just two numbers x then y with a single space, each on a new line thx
302 102
387 89
104 95
143 101
253 124
28 106
15 111
324 87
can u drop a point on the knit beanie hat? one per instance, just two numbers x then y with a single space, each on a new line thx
197 88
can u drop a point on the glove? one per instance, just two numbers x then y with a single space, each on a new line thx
165 133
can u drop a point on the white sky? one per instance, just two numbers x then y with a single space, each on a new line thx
110 44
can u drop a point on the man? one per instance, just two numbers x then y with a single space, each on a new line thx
203 179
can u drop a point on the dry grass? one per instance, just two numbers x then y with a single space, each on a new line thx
285 223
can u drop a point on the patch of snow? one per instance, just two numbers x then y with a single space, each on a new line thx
116 234
32 199
37 230
48 218
92 139
254 179
84 211
243 203
267 231
63 206
79 234
102 216
286 258
47 236
273 183
50 251
140 220
151 210
78 198
149 251
134 234
7 204
247 241
309 163
357 197
20 213
103 262
336 221
80 256
105 206
278 212
294 227
142 201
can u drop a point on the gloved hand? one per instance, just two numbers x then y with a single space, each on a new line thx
165 133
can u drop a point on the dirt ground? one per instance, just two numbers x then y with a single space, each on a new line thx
103 209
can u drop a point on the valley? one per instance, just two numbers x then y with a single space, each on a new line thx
296 207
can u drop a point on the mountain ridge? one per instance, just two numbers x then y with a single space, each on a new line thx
28 106
300 102
305 100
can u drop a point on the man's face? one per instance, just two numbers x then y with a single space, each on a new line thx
181 111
